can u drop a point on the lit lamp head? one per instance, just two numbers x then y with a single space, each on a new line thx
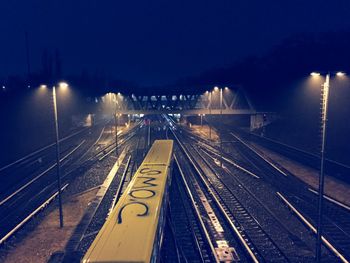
63 85
315 74
216 88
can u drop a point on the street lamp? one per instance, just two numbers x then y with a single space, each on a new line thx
64 86
324 114
220 89
209 96
201 115
116 119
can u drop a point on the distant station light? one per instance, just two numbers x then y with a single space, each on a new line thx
63 85
315 74
340 74
3 88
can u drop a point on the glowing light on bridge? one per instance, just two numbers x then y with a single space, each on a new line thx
315 74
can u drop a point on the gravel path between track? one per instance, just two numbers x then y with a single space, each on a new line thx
42 237
47 237
333 188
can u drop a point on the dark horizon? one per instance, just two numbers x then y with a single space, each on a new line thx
154 44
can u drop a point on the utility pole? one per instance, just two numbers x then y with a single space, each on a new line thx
116 126
209 114
57 156
221 122
325 96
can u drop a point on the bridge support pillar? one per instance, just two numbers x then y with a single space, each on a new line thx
260 120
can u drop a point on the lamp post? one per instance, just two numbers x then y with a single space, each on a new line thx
209 114
324 119
57 156
54 98
201 115
116 115
221 122
220 90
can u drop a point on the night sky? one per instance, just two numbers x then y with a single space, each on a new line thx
155 42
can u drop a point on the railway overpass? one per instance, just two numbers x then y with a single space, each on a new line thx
224 101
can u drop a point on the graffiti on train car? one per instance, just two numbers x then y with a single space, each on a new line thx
146 186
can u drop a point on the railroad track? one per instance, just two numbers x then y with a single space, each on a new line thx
336 217
170 251
334 168
210 149
189 227
257 240
96 214
265 208
19 207
224 235
99 209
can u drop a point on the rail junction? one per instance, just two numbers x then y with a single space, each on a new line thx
225 203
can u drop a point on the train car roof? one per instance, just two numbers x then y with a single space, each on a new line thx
129 233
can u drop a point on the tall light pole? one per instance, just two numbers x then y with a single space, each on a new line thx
58 167
116 115
57 156
220 137
221 122
209 113
324 119
201 115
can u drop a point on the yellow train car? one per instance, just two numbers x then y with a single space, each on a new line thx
133 231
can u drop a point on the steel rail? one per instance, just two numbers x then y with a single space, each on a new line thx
299 150
120 186
43 205
260 155
248 191
234 228
38 176
309 225
330 199
311 190
37 151
233 163
198 214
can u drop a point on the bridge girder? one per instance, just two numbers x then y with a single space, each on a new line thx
233 102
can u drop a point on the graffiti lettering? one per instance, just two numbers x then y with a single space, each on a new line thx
119 221
149 171
142 193
147 182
